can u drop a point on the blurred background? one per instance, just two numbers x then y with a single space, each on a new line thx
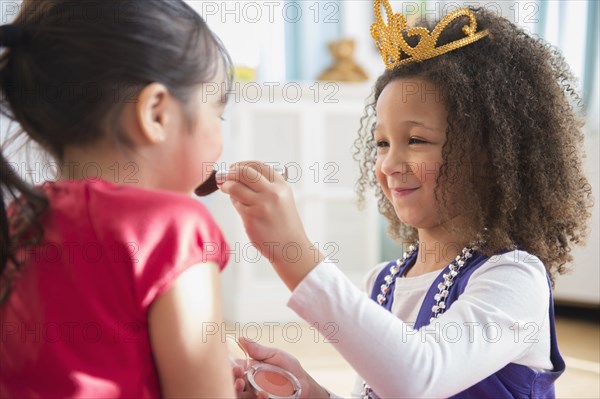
305 70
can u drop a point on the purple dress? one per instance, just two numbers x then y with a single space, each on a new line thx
512 381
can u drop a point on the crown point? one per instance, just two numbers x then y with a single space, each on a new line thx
390 41
468 30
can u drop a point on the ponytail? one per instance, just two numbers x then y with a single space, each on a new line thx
21 228
26 202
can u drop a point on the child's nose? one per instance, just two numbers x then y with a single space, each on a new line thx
394 162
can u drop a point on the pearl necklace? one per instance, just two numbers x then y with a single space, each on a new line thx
394 270
440 297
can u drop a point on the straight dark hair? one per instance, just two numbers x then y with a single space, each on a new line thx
68 68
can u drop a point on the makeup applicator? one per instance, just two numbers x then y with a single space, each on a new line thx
218 177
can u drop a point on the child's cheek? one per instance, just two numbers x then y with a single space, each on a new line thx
382 180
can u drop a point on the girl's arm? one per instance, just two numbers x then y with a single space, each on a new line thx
190 362
267 207
496 321
490 326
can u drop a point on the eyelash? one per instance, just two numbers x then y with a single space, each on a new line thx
412 140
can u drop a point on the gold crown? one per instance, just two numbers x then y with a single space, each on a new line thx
391 44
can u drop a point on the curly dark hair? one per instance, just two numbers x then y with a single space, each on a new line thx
514 148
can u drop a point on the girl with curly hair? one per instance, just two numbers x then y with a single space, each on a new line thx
474 149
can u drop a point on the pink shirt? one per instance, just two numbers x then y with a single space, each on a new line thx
76 322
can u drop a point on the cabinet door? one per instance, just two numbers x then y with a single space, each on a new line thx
315 140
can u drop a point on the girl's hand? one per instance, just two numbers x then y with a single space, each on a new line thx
310 388
266 204
242 389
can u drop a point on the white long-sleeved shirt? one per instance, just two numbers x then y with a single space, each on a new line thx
501 317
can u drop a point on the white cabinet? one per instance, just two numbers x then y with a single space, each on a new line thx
311 129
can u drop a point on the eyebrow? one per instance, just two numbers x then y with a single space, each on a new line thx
416 123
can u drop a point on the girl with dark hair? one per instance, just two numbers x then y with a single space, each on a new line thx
473 145
109 280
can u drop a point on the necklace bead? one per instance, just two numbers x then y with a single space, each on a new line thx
440 298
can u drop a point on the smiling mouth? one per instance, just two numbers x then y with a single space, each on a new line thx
401 192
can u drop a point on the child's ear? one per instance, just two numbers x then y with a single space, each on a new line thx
152 112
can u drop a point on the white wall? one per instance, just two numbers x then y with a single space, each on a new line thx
582 284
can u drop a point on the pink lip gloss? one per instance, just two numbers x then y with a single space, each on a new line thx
276 382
